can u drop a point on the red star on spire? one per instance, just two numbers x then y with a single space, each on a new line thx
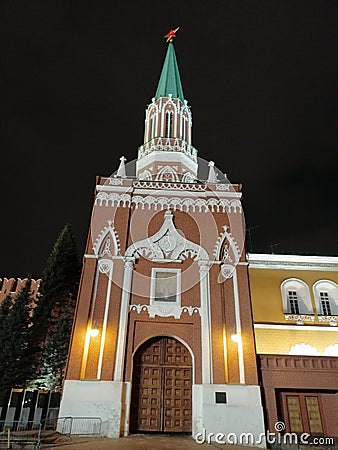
171 35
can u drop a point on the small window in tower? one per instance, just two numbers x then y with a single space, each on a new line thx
169 123
166 286
325 303
293 302
152 121
184 137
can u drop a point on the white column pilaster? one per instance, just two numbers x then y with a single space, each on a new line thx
205 323
123 322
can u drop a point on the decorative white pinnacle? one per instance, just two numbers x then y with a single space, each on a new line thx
212 177
121 172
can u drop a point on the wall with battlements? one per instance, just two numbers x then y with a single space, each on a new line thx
12 286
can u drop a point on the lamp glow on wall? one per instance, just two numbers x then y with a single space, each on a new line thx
236 338
94 331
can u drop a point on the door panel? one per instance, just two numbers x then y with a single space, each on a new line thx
295 416
161 391
315 422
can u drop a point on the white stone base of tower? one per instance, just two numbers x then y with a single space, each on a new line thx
238 421
107 400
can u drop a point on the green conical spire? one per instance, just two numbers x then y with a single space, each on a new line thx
170 81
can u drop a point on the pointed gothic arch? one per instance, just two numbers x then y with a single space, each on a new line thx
107 243
167 173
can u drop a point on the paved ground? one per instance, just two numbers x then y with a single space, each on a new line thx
140 442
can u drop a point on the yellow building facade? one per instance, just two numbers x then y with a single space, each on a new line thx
295 312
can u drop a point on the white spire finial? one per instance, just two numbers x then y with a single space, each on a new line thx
121 171
212 177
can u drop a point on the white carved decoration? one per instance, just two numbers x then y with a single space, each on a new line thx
188 178
166 310
172 186
303 349
167 243
226 235
223 187
161 203
332 320
230 255
146 175
107 243
167 173
299 318
105 265
115 181
331 350
227 271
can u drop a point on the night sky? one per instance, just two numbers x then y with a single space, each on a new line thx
76 77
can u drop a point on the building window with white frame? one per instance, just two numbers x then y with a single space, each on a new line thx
166 286
325 303
326 299
165 293
293 302
169 124
296 298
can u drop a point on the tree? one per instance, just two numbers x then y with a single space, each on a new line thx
18 354
60 280
53 316
55 352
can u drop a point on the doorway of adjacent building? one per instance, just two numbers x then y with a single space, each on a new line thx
303 413
161 387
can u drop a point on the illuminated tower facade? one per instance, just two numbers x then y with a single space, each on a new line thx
163 335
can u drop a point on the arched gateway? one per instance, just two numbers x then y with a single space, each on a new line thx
161 387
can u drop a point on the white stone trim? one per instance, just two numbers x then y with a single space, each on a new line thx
292 262
101 266
206 329
123 321
238 329
161 203
293 327
151 185
178 310
178 156
106 188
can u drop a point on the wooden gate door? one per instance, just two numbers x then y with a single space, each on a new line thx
161 389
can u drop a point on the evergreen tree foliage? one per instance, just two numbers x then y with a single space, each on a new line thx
60 280
17 349
55 352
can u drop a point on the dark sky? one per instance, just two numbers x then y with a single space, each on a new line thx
76 76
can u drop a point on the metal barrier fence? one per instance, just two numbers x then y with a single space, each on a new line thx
21 433
33 433
84 426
